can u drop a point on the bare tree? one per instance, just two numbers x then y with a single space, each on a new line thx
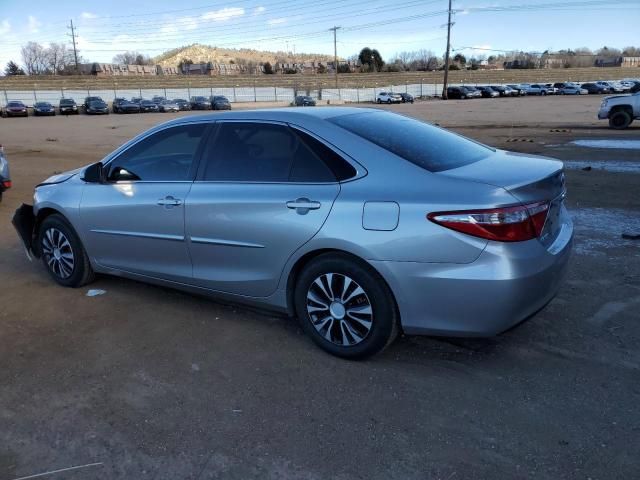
34 58
58 57
132 58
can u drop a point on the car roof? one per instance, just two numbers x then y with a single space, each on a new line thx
276 114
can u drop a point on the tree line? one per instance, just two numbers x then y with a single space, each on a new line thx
58 59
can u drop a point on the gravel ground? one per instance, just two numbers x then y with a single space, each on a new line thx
150 383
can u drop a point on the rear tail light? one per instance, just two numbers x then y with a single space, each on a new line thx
508 224
6 184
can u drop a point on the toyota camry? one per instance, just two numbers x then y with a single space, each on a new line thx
359 222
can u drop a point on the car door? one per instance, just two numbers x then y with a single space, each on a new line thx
134 220
261 193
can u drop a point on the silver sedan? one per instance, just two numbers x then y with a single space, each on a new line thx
362 223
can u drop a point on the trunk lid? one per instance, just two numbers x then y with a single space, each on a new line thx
528 178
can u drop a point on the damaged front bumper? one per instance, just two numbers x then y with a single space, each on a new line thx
24 222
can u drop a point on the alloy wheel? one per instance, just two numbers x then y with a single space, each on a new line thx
339 309
58 253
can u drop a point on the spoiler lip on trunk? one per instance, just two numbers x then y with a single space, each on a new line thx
24 222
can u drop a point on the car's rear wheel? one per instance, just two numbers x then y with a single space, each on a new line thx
619 120
62 253
345 307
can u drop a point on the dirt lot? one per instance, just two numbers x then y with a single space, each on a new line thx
150 383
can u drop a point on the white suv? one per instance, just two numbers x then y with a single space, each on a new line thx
388 97
621 110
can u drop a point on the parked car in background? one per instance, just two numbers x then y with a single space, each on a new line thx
573 89
534 89
5 177
88 100
473 92
620 110
97 107
220 102
504 91
147 106
304 101
168 106
454 93
43 108
488 92
593 88
122 105
406 97
157 99
183 105
15 108
551 89
115 105
68 106
519 91
383 222
200 103
136 100
388 97
610 87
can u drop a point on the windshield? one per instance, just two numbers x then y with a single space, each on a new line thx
67 101
429 147
15 104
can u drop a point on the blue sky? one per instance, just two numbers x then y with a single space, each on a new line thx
106 28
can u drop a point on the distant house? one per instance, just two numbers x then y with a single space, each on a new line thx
553 62
115 70
630 62
608 62
213 69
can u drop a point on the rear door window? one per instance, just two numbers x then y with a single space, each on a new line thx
264 153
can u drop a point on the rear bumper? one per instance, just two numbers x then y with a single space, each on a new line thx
507 284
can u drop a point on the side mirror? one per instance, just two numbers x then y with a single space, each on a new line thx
93 173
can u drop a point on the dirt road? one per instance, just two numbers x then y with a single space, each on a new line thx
150 383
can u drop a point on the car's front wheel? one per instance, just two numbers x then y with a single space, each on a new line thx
345 307
619 120
62 253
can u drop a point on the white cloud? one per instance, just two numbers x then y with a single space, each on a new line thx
277 21
258 11
88 15
223 14
5 27
33 24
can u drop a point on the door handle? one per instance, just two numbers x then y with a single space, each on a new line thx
169 201
303 204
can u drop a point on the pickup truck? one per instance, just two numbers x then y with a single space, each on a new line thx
621 110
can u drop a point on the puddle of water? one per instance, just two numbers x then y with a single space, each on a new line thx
609 165
599 229
618 144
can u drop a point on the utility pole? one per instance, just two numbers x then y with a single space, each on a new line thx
335 52
446 56
73 39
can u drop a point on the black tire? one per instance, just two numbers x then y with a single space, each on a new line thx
81 272
543 93
379 101
389 101
619 120
383 326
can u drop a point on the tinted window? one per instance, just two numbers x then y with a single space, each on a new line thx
340 168
429 147
164 156
263 152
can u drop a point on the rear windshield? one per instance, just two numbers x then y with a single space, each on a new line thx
429 147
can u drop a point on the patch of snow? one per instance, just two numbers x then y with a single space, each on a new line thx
609 143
